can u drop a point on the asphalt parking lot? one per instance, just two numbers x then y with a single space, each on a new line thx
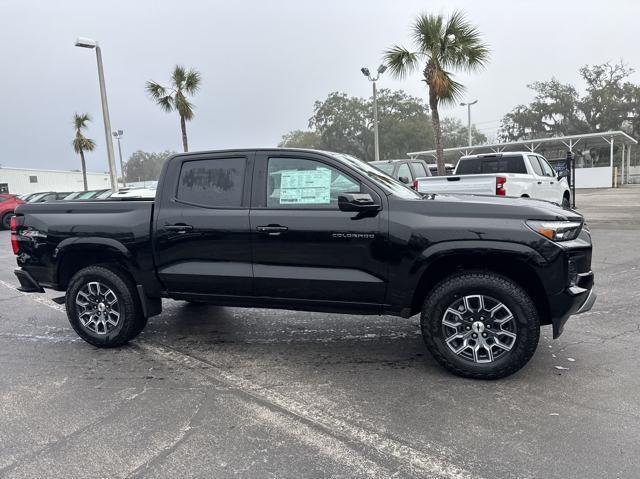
223 392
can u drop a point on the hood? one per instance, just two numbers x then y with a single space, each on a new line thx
494 207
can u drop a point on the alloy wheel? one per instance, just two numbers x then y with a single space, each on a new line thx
98 308
479 328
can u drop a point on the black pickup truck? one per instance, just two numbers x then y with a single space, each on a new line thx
311 230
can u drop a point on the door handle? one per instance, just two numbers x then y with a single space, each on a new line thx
178 228
272 230
539 182
552 182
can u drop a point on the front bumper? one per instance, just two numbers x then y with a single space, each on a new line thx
575 299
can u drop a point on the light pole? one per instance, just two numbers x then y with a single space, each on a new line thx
365 72
468 105
117 135
89 43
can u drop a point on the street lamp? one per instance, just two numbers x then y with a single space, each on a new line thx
365 71
90 43
468 105
117 135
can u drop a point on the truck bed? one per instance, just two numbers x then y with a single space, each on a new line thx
122 225
75 217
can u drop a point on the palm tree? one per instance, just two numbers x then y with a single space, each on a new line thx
444 45
174 97
82 143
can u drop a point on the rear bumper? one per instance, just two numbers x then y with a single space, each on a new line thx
576 299
27 282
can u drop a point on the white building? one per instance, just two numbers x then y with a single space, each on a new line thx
26 180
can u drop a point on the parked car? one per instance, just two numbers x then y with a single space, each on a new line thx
84 195
72 196
523 174
104 195
405 171
8 204
136 192
484 273
29 196
47 196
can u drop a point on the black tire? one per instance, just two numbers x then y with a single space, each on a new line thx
131 320
566 202
6 221
526 324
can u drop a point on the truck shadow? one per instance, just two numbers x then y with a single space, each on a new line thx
300 337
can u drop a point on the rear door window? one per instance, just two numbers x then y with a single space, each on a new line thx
535 164
213 183
386 167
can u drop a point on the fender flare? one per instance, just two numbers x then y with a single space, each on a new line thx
69 245
480 247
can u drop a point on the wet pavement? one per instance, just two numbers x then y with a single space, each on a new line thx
227 392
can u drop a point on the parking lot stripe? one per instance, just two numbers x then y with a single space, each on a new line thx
410 459
34 297
413 461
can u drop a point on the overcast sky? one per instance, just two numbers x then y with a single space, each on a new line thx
263 64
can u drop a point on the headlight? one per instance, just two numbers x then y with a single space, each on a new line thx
556 230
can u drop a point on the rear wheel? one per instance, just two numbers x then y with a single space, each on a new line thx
6 220
566 202
480 325
103 308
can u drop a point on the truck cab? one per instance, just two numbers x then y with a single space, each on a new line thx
405 171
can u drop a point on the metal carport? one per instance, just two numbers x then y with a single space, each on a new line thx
595 154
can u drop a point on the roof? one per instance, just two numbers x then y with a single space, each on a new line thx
533 144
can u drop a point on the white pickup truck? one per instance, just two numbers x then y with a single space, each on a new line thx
522 174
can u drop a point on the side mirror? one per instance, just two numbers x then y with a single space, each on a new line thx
563 174
358 202
404 179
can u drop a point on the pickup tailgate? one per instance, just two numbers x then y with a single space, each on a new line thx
468 184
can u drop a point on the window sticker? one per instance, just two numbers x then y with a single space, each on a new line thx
308 187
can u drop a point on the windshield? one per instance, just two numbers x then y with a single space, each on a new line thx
37 197
386 167
104 195
380 178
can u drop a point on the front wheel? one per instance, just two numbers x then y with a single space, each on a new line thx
480 325
103 308
566 202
